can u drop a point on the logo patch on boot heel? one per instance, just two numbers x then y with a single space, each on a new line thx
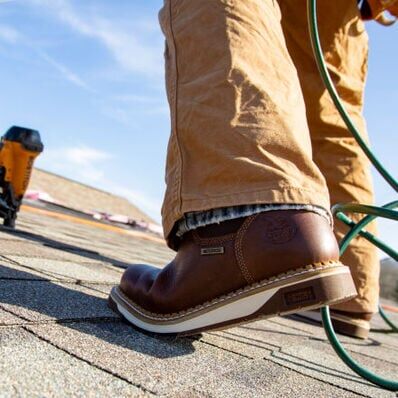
208 251
280 230
299 296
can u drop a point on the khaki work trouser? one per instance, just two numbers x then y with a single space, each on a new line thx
251 120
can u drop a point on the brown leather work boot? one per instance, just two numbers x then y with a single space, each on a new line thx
260 266
352 324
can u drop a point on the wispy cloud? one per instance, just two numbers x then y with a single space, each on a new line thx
89 165
126 45
134 46
124 108
82 162
85 156
12 36
64 71
144 202
9 34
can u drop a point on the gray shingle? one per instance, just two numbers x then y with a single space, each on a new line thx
30 367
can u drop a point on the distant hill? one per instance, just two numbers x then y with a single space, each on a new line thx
83 197
389 279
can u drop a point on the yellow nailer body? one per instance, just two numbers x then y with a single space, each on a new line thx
19 148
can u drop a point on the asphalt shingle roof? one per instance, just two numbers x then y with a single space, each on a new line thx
58 337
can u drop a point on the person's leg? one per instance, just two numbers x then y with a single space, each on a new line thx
338 156
239 137
239 134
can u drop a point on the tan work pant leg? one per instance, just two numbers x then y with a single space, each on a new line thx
340 159
239 130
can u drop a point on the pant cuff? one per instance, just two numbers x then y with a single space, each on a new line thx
193 220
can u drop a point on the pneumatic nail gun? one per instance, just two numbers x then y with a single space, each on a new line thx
19 148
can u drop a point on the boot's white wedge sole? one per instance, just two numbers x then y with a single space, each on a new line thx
304 289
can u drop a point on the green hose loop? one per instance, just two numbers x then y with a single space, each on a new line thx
348 360
316 45
367 235
371 211
387 320
357 229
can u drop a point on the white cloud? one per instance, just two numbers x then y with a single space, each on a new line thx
9 34
64 71
82 163
12 36
140 199
85 156
90 166
126 46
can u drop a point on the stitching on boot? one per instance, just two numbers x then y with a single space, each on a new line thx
286 275
239 250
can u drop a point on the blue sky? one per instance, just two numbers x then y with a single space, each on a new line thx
89 75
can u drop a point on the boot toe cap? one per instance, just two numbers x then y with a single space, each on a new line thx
137 280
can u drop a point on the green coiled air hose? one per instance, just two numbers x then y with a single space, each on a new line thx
371 212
